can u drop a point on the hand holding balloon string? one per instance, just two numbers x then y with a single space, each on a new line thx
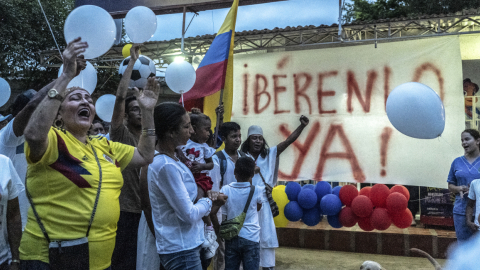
70 55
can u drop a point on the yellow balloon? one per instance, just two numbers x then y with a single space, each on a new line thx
126 50
280 197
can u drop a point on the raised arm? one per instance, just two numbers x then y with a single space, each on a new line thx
293 137
21 120
147 100
119 107
36 131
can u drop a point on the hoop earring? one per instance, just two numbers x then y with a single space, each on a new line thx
58 123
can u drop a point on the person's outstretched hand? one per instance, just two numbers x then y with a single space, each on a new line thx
70 55
304 120
147 99
81 64
134 51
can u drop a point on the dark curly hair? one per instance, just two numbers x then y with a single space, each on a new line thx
246 146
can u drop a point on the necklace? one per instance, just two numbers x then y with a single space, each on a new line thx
169 155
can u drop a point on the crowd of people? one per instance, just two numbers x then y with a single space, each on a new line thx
149 191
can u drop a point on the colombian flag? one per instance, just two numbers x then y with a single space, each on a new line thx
215 72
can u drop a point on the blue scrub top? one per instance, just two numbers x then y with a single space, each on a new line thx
463 173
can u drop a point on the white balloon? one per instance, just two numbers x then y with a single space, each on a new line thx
140 24
94 25
416 110
87 79
4 92
104 107
180 77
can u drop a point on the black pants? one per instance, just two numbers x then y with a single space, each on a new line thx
38 265
125 252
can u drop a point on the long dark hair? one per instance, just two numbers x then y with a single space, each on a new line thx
246 146
167 116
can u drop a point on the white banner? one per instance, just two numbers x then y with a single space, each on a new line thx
343 91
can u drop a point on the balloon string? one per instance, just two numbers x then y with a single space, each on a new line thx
58 48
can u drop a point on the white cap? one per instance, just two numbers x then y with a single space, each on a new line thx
255 130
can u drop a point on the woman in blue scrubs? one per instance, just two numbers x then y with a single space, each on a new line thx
463 171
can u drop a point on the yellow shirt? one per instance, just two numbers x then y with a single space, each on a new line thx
63 185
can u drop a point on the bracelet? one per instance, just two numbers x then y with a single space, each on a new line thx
15 261
148 132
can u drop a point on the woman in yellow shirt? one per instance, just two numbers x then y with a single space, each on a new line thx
70 173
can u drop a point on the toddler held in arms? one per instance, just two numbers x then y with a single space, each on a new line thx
197 155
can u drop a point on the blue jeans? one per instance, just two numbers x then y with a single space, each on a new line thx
38 265
462 231
192 259
242 250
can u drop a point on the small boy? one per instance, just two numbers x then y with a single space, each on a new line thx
245 247
473 203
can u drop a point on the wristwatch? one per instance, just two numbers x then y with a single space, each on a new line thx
53 94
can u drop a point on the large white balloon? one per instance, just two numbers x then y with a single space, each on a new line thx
4 91
94 25
180 77
87 79
104 107
416 110
140 24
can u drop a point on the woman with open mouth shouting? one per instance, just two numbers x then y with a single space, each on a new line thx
74 180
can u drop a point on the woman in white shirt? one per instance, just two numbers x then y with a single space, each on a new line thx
266 160
179 229
10 221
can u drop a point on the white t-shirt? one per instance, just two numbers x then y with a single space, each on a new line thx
474 194
177 220
12 147
197 152
237 193
10 187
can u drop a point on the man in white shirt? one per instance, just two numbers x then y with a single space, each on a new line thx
232 137
473 203
245 247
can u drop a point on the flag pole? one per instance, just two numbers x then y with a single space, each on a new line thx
218 118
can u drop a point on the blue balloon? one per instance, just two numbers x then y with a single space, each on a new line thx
322 188
292 189
307 198
311 217
336 190
334 221
331 205
293 211
309 186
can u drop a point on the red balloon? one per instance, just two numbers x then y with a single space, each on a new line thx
401 189
380 219
365 191
347 194
379 195
396 203
347 217
403 220
365 224
362 206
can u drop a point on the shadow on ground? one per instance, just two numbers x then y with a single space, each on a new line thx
309 259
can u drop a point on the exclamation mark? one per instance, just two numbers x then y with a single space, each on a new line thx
385 137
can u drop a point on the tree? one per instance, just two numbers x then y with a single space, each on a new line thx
24 33
366 10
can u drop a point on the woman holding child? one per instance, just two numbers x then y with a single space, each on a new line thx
266 161
177 218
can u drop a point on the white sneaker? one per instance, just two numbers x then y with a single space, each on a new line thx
210 251
210 237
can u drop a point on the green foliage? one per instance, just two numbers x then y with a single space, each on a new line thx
366 10
24 33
